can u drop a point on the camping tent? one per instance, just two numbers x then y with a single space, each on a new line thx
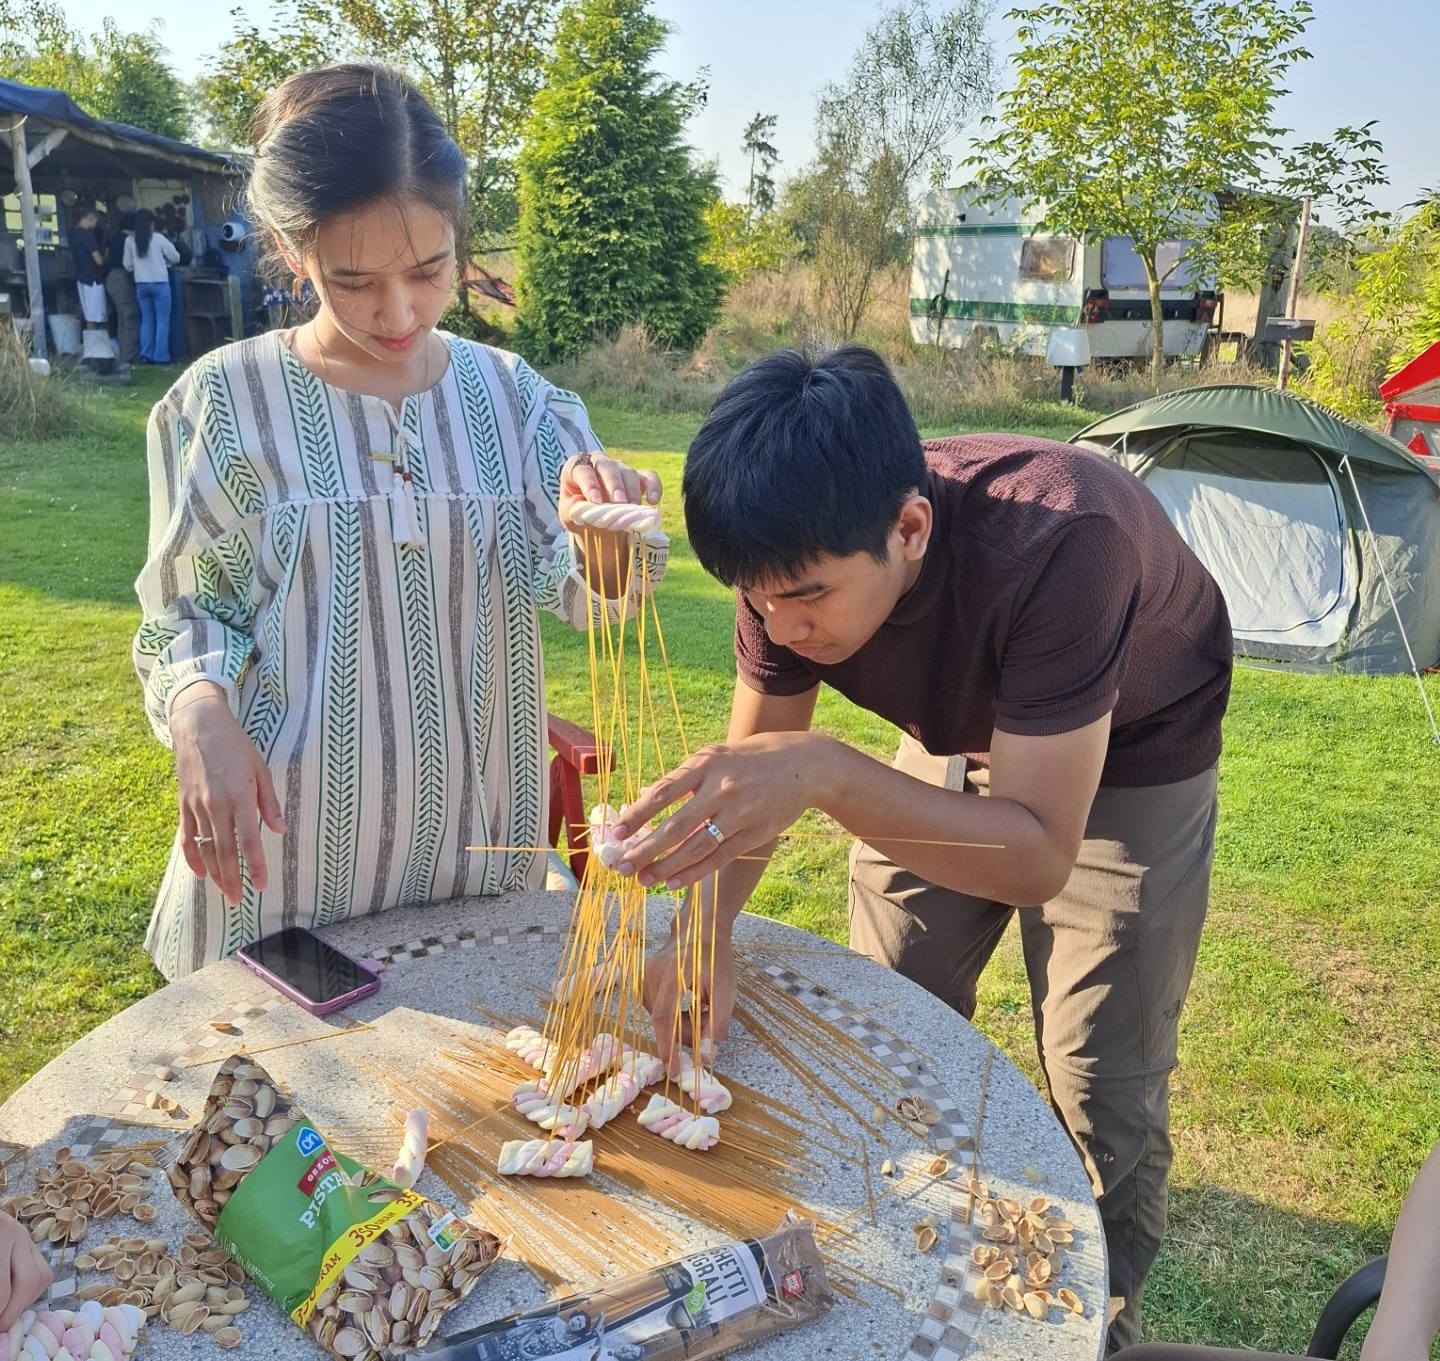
1273 494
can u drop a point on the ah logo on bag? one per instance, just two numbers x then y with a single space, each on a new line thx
308 1142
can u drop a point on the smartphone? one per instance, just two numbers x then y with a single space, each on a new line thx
308 971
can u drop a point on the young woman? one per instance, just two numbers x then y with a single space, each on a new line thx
352 526
148 256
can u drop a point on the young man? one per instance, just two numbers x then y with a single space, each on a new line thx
1058 662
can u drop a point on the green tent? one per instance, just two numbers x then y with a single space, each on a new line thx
1323 534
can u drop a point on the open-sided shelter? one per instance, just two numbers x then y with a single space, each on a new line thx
1324 535
69 159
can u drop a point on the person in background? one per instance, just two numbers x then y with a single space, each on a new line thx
90 267
1407 1321
148 256
24 1273
121 288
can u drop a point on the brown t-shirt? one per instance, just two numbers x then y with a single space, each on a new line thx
1053 591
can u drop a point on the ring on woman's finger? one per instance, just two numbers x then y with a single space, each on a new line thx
203 840
714 831
584 460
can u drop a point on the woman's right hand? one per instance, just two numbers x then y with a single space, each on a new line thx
226 791
24 1273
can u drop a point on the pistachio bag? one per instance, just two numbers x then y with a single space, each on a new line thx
366 1268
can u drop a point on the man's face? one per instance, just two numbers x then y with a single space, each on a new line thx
831 609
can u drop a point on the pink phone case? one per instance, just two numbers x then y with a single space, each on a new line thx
300 1000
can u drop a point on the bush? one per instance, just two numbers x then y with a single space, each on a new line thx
31 407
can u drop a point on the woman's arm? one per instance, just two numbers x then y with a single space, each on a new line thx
167 249
614 567
1408 1318
127 257
192 650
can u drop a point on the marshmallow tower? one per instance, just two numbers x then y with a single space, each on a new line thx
89 1333
663 1117
545 1158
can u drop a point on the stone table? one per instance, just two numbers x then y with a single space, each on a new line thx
441 961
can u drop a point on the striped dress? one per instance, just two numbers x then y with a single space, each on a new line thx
363 582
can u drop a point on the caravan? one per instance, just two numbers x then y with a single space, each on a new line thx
992 268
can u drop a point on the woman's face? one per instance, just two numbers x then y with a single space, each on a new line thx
384 275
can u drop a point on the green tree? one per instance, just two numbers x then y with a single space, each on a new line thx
255 60
1390 315
741 248
760 192
612 208
477 61
1130 119
118 76
919 76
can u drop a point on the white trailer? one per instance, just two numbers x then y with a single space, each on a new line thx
986 265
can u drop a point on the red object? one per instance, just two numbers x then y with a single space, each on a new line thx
1418 446
1419 372
577 753
1411 411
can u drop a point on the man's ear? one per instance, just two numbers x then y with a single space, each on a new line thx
913 526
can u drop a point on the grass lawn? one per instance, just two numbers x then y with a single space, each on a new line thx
1309 1088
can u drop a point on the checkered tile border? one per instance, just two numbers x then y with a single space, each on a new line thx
196 1046
465 939
947 1330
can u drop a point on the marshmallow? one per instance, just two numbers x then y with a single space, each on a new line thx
530 1158
663 1117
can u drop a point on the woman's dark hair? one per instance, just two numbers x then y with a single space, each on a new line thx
802 456
331 141
144 230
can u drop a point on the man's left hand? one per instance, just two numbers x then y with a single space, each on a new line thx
748 791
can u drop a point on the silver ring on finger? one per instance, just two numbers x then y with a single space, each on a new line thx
709 826
584 460
203 840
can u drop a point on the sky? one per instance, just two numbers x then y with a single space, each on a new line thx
1371 59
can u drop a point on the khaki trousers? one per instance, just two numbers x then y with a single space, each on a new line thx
1109 962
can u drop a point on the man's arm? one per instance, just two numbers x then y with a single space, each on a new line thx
1017 846
713 904
1408 1318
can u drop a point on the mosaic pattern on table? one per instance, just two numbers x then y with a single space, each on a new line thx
422 947
200 1045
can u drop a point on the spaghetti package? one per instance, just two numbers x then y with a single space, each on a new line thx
705 1304
366 1268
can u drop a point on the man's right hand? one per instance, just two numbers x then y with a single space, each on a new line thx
671 979
225 791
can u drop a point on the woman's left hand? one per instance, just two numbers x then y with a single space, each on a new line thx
602 480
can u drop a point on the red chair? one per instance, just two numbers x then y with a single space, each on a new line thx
577 753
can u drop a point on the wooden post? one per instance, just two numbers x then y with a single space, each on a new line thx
21 156
1294 299
237 316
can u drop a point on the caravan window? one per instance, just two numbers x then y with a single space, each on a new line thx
1047 259
1120 266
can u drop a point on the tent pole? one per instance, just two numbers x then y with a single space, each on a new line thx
1390 591
21 157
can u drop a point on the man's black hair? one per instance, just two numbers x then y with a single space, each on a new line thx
802 456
